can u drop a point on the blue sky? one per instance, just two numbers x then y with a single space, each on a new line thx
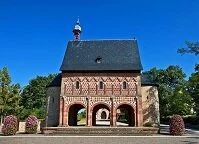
34 33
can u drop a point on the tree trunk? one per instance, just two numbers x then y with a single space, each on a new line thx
1 120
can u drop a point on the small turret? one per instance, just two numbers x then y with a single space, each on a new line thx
77 31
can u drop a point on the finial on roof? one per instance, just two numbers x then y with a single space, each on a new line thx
78 22
77 30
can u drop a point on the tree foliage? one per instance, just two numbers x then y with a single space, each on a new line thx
81 115
193 83
194 88
9 95
192 47
33 97
173 95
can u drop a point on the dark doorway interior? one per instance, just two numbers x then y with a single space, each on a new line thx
125 115
74 112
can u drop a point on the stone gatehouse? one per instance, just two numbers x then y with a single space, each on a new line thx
101 74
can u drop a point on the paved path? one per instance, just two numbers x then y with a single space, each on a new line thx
191 137
104 123
164 130
99 140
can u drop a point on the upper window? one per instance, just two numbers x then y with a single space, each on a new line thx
101 85
124 85
98 59
77 84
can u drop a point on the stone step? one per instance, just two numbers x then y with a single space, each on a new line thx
99 130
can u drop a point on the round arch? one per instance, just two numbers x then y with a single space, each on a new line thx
75 103
126 114
104 105
128 104
95 108
73 110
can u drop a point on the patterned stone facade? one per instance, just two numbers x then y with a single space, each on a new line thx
64 101
88 94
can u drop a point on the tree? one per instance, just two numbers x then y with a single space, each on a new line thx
173 96
33 97
194 88
9 95
192 47
193 83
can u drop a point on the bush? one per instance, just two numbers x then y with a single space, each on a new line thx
24 114
31 124
10 125
39 113
176 125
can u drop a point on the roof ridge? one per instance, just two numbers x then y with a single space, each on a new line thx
107 40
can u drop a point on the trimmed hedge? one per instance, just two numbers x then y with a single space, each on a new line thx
176 125
31 124
10 125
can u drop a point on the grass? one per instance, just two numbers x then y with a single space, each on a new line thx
83 120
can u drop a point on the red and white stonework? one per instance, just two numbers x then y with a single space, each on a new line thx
64 102
97 75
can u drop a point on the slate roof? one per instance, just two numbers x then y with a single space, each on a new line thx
56 81
112 55
145 81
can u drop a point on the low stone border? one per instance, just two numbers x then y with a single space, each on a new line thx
100 130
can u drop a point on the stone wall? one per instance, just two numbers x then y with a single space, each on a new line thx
22 127
150 105
84 89
60 99
89 84
53 99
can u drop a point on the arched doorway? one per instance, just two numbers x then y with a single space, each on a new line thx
76 114
103 115
125 115
94 111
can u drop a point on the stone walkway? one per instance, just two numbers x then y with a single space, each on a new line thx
191 137
99 140
104 123
164 130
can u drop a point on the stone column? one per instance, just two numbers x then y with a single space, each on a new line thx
113 113
139 103
114 117
65 115
136 111
88 113
140 113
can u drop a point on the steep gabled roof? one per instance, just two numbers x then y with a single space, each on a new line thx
147 81
56 82
100 55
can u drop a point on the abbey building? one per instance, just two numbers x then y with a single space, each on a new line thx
104 78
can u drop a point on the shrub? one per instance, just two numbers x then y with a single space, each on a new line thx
31 124
10 125
176 125
39 113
